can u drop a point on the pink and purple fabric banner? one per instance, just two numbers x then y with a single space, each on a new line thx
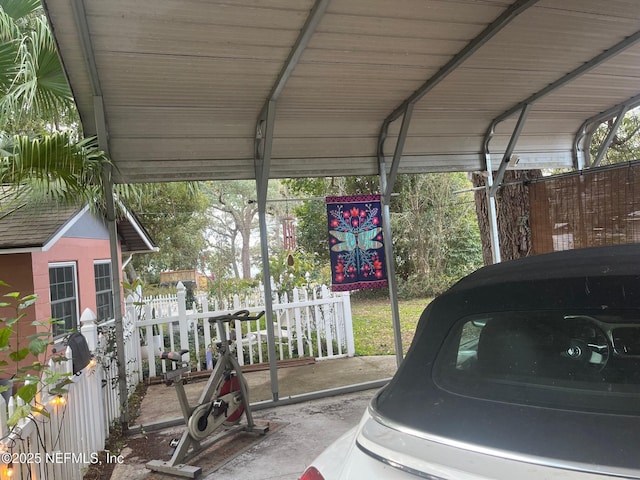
355 243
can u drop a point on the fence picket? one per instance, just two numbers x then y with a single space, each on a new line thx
298 320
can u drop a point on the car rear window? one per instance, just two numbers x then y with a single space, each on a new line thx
561 359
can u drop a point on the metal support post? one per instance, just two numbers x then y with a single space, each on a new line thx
391 268
390 181
117 297
510 148
263 144
263 164
493 214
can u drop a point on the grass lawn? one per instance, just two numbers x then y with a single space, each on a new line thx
373 325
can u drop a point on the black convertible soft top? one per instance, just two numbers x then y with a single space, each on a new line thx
586 262
600 280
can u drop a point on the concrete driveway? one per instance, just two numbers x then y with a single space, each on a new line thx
308 428
298 431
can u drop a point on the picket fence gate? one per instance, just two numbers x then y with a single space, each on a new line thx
314 323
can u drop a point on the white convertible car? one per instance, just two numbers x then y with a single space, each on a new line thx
525 370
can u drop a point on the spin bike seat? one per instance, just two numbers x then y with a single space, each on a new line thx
173 356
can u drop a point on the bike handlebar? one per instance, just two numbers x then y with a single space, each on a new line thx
242 315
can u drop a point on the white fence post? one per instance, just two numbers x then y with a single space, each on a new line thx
152 347
298 320
89 328
4 429
348 324
238 332
182 316
326 309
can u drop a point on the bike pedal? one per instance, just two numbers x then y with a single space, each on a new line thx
173 445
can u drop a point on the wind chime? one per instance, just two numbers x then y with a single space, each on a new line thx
289 237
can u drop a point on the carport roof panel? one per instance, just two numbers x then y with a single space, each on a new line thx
183 81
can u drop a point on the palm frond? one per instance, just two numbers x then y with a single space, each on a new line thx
20 9
40 87
53 167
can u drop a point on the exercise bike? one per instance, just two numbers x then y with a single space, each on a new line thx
222 402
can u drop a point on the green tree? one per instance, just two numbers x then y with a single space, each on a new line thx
175 215
234 211
435 233
311 215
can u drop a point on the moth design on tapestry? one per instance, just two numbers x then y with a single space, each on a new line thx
355 242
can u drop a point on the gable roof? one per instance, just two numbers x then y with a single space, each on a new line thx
37 227
182 89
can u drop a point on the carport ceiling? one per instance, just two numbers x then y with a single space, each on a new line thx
178 86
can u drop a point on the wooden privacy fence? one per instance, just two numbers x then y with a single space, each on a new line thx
313 323
598 206
64 443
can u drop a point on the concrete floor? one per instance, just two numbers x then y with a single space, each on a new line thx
308 428
300 431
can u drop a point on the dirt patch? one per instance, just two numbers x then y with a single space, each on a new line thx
141 448
101 470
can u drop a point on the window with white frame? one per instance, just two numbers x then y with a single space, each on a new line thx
104 292
63 293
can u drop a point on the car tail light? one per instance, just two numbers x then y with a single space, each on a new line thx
311 473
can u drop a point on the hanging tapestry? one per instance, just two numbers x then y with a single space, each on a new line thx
355 243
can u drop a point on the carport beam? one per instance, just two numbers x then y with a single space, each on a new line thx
510 148
610 136
391 269
397 154
487 34
572 75
591 124
263 149
307 31
492 212
80 18
262 166
581 70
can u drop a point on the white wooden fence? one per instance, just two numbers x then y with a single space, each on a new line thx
313 323
63 443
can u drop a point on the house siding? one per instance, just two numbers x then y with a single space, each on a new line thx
81 251
29 273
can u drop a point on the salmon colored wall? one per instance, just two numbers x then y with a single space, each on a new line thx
29 273
82 251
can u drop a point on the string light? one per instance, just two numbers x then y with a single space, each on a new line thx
10 470
57 400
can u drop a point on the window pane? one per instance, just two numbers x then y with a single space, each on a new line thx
62 290
104 293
